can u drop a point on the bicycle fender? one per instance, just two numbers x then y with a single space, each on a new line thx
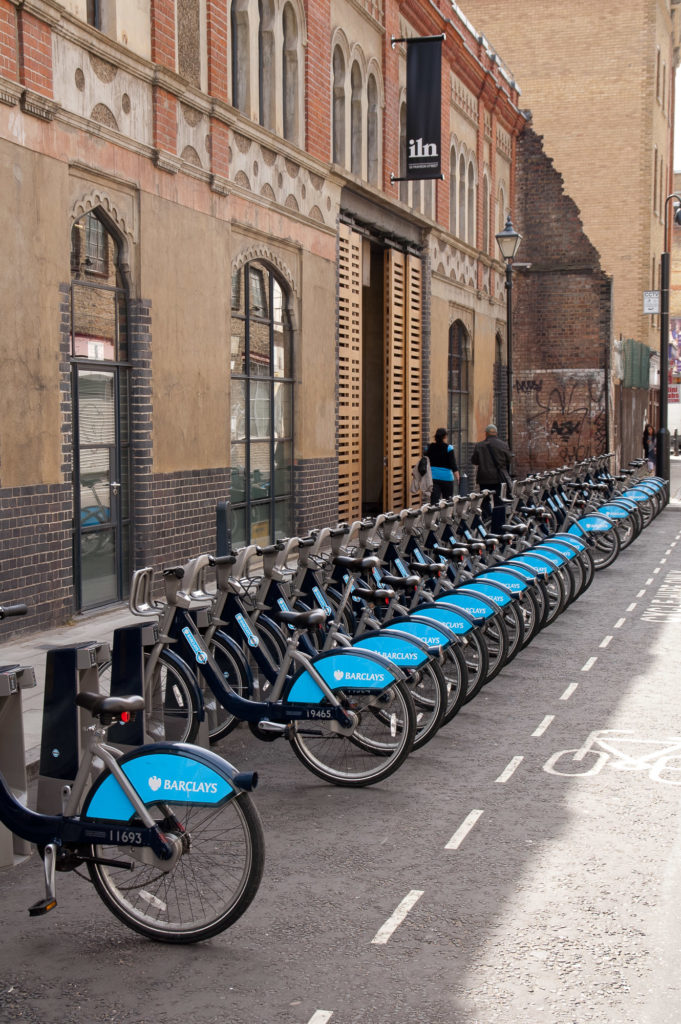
593 523
614 511
407 652
494 590
436 637
507 578
454 619
342 668
175 773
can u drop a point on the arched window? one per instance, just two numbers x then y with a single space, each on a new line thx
261 406
462 197
290 75
240 55
372 130
452 190
356 119
501 221
266 61
338 107
485 216
470 218
101 414
457 384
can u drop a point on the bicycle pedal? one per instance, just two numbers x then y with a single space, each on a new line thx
42 907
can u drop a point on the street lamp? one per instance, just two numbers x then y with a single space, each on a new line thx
508 241
662 460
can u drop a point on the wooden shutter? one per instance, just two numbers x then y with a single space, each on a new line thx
395 466
414 361
349 375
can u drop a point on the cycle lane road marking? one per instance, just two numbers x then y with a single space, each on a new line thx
631 606
320 1017
589 664
605 641
509 769
397 917
570 690
463 830
620 623
543 725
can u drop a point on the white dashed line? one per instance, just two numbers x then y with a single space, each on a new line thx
668 551
641 593
543 725
397 917
589 664
658 568
463 830
605 641
509 769
631 606
320 1017
570 690
662 561
648 582
620 623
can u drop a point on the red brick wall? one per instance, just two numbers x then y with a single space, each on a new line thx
35 54
163 33
219 148
391 86
165 119
318 79
561 322
217 22
8 39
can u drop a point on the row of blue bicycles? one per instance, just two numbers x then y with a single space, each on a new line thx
355 644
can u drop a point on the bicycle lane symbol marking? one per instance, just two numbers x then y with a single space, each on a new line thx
624 751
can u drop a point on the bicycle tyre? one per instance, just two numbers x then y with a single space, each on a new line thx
496 640
373 752
455 671
429 693
209 887
476 657
221 721
175 685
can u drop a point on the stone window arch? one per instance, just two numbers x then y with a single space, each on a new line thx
241 44
339 66
261 403
471 204
462 197
356 118
266 64
290 75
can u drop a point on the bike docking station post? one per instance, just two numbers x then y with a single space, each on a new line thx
68 672
13 679
127 680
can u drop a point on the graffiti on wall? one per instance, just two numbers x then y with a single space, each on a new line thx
561 420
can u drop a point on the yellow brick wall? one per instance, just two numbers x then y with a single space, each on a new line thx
589 78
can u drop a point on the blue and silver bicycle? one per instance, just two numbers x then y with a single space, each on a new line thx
167 833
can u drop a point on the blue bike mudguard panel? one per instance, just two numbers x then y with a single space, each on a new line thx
509 580
486 589
638 494
569 543
614 511
178 774
530 561
479 608
591 524
530 572
450 618
342 668
395 648
427 633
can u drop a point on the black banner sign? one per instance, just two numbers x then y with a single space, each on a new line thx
424 107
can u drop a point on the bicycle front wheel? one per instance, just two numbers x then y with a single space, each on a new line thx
380 743
208 888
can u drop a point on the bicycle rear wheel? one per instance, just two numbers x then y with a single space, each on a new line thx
429 693
379 745
220 720
209 886
455 672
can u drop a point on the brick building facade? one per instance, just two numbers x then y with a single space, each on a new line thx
600 86
214 291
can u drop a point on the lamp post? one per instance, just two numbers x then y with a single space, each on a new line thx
508 241
662 459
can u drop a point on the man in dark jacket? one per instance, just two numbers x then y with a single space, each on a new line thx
492 457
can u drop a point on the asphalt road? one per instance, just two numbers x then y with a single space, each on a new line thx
536 841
